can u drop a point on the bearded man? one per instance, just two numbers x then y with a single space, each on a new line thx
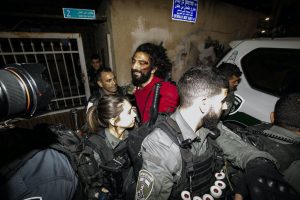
179 164
233 74
150 65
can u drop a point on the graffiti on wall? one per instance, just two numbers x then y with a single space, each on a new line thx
196 52
212 52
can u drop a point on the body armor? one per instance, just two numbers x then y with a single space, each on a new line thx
115 163
201 176
197 171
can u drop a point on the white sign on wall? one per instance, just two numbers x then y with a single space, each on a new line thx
185 10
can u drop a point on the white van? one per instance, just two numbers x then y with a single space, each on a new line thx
271 67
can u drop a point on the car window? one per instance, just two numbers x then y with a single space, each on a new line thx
273 71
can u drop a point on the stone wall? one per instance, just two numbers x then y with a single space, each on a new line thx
136 21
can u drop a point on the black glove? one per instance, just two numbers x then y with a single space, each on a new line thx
263 181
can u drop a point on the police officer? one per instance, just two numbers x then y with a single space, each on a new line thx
107 85
233 75
282 139
108 123
167 170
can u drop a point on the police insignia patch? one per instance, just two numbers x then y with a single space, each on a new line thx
144 185
237 104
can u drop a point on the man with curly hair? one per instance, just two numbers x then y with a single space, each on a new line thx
151 65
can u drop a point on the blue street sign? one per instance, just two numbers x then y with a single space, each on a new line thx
185 10
74 13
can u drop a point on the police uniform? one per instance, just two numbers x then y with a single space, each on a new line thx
287 154
163 164
111 153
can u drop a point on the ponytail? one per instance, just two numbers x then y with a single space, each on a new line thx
98 116
92 119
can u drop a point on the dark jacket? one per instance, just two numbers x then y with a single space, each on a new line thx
93 77
286 152
112 158
47 175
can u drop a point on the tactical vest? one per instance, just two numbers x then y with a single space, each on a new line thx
135 139
202 175
199 168
115 163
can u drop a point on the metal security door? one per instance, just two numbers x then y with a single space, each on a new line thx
63 56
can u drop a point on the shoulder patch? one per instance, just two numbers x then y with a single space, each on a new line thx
237 104
144 185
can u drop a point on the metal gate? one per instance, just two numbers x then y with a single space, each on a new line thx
63 56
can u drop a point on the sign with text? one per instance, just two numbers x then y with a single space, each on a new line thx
185 10
75 13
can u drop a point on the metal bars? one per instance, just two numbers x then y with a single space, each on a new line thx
62 55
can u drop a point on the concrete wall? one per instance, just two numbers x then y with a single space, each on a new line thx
136 21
